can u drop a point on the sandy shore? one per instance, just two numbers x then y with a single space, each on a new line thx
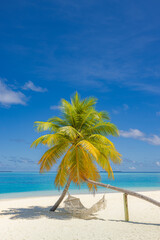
29 219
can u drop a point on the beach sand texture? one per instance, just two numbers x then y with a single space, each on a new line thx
30 219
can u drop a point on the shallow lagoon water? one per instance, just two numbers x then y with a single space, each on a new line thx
23 184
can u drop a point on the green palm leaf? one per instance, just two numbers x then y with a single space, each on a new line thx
45 126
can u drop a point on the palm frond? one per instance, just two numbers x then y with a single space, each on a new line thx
103 161
91 171
89 147
48 139
75 100
58 121
62 172
89 103
115 156
70 132
75 165
45 126
86 119
67 112
103 116
51 156
103 129
100 139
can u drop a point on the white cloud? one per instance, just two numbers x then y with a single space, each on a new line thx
8 96
154 140
30 86
54 107
137 134
158 163
132 133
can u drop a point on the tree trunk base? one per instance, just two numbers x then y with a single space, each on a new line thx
53 208
62 196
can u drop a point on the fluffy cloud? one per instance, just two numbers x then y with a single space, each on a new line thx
8 96
132 133
137 134
154 140
30 86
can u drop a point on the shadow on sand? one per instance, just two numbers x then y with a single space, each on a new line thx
141 223
35 212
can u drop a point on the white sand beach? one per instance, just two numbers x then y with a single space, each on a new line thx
30 219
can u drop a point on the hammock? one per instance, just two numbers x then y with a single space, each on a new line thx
74 206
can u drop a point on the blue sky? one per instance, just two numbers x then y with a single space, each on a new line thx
107 49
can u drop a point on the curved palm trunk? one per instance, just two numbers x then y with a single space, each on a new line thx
125 191
62 196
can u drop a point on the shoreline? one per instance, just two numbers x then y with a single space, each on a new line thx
46 193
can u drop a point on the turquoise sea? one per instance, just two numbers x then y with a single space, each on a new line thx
20 184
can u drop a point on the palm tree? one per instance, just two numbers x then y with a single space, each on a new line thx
78 140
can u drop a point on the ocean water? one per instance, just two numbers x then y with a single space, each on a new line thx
18 184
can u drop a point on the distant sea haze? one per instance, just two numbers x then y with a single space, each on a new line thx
34 183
